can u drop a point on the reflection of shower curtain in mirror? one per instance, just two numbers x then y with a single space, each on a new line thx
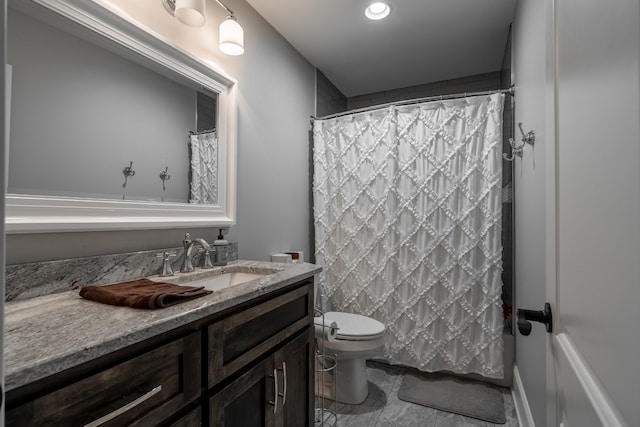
407 206
203 170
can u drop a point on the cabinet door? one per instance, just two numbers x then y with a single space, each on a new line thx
294 363
249 401
278 392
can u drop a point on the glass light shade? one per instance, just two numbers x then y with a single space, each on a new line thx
377 11
190 12
231 37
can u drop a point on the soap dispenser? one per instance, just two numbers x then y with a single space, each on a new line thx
221 248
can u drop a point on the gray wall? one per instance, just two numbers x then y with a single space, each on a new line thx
81 113
276 96
529 38
477 82
329 99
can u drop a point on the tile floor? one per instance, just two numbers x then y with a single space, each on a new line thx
383 408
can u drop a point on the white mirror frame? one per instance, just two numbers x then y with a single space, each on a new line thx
46 214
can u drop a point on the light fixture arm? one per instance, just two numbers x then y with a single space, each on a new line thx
229 11
170 5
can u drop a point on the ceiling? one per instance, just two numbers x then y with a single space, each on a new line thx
421 41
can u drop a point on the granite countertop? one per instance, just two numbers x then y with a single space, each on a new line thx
52 333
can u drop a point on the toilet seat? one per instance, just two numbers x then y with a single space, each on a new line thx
354 327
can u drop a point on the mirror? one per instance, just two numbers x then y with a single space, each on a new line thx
99 134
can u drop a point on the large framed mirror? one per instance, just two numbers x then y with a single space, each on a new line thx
112 127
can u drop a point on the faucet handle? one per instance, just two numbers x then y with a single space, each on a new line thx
167 270
206 259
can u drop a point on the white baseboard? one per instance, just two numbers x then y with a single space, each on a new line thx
592 391
525 419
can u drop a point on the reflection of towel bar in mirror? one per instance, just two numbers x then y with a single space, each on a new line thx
82 210
517 150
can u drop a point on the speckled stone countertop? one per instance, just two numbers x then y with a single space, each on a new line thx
49 334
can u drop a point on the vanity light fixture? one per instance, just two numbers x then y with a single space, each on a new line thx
191 12
231 37
376 11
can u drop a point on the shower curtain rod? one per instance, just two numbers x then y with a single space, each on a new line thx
200 132
510 91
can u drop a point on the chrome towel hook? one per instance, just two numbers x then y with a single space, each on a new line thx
517 150
128 171
164 176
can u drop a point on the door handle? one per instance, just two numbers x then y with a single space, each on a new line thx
274 402
148 395
543 316
284 383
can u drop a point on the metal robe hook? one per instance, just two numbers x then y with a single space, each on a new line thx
164 176
529 137
517 150
127 171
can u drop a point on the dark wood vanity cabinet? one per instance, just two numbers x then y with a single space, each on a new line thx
251 365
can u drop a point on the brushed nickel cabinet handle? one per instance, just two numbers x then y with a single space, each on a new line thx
274 402
284 382
125 408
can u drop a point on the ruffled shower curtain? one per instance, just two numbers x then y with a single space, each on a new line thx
203 168
407 209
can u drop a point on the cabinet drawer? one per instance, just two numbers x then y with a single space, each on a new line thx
240 338
144 390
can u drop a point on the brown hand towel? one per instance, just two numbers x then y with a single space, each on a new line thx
142 293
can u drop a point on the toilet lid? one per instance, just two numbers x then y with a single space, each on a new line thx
354 326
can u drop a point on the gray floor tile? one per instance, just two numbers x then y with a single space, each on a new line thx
446 419
510 409
381 379
382 407
406 414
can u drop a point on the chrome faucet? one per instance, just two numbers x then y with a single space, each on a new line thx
187 265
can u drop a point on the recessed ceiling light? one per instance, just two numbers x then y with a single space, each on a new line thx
377 11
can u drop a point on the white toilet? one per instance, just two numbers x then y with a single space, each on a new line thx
358 338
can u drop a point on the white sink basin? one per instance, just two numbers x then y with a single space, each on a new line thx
226 280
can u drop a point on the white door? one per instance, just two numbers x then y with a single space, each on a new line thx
594 285
3 155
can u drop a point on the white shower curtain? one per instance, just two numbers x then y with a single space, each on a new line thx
203 168
407 209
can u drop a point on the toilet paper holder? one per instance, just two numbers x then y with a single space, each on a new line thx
325 413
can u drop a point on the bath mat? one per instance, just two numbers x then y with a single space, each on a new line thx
449 393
